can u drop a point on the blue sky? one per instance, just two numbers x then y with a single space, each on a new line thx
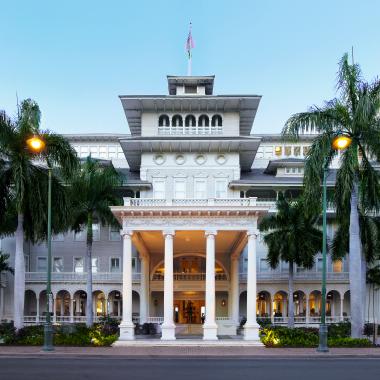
75 57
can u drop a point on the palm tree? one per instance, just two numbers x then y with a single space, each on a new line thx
24 183
355 113
4 265
292 236
92 191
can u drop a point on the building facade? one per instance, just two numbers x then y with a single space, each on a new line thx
189 256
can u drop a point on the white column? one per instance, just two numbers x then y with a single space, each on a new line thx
38 310
210 327
1 300
71 310
144 299
126 325
168 327
234 293
55 309
251 328
341 308
307 310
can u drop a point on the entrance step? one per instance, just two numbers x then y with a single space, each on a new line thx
189 329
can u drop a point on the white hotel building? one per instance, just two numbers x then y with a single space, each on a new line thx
197 183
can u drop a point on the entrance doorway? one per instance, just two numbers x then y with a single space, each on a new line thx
189 311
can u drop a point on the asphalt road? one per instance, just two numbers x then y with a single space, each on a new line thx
107 368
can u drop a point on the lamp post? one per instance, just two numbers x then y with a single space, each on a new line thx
37 145
340 142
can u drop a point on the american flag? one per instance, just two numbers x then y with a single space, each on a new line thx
189 43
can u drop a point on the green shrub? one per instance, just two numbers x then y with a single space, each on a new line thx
279 336
339 330
7 333
349 342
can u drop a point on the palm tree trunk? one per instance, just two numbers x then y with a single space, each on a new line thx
19 278
89 305
356 273
364 285
290 298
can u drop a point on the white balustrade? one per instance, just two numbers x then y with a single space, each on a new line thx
79 277
190 277
158 320
214 202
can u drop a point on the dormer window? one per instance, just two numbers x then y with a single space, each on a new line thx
190 89
294 170
163 121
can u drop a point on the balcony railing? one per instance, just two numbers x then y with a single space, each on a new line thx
307 275
79 277
149 202
190 277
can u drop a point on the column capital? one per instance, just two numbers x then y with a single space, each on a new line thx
211 232
126 233
253 233
168 233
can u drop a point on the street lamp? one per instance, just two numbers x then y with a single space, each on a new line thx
36 144
340 142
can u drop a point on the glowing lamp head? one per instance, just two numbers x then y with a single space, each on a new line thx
341 142
36 144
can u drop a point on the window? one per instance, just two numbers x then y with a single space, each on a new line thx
278 150
216 121
163 121
200 189
112 152
115 233
94 264
294 170
78 264
179 189
319 265
94 151
190 121
57 264
84 151
134 260
191 89
288 150
177 121
58 237
264 267
41 264
221 189
115 264
80 236
159 189
268 152
297 151
203 121
96 231
337 266
26 262
103 152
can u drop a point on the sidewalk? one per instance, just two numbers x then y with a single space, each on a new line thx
188 351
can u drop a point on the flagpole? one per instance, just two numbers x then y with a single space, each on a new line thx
190 42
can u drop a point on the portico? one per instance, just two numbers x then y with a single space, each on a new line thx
217 227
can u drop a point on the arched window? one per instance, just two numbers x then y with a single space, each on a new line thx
190 121
203 121
177 121
163 121
216 121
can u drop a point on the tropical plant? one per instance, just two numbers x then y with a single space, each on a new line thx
4 265
292 236
355 114
92 191
24 184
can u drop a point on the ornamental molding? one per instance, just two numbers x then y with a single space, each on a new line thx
189 223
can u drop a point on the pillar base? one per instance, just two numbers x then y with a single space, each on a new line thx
127 331
210 332
168 332
251 332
